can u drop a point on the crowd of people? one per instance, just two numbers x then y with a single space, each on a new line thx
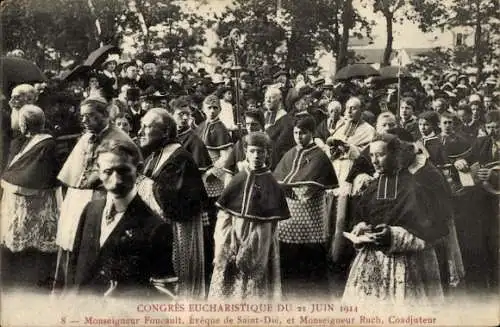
304 187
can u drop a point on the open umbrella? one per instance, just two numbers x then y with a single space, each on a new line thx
80 71
97 57
355 71
392 72
17 70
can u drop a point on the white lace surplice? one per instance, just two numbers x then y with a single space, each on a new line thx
29 221
252 249
407 273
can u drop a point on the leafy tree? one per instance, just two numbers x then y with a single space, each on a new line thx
71 29
293 29
435 62
163 27
61 27
484 17
427 13
256 20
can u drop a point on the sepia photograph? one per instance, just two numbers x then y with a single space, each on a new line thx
249 163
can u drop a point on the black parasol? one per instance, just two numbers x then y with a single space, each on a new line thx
17 70
80 71
356 71
393 72
97 57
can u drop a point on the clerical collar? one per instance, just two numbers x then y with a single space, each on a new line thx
310 145
138 112
387 188
431 135
258 171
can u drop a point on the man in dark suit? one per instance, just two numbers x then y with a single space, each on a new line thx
119 244
134 109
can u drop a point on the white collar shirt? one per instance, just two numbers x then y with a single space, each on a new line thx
121 205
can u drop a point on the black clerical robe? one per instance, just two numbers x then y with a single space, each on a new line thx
194 145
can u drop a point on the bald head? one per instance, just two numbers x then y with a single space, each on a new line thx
156 125
272 99
353 109
385 122
21 95
334 109
31 119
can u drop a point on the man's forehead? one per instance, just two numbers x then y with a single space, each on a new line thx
377 146
182 110
19 91
86 109
255 147
150 119
386 120
113 160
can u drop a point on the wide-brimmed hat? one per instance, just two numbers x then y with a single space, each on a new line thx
217 79
111 58
491 80
474 98
319 82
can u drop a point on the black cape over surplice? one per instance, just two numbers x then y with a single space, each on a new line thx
306 166
254 195
178 185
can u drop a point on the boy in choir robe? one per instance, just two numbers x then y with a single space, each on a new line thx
472 224
247 263
218 142
181 111
408 120
428 125
432 186
466 125
305 172
187 137
254 122
457 149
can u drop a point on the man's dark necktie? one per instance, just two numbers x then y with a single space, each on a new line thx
110 217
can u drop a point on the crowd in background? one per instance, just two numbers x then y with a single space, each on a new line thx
247 192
